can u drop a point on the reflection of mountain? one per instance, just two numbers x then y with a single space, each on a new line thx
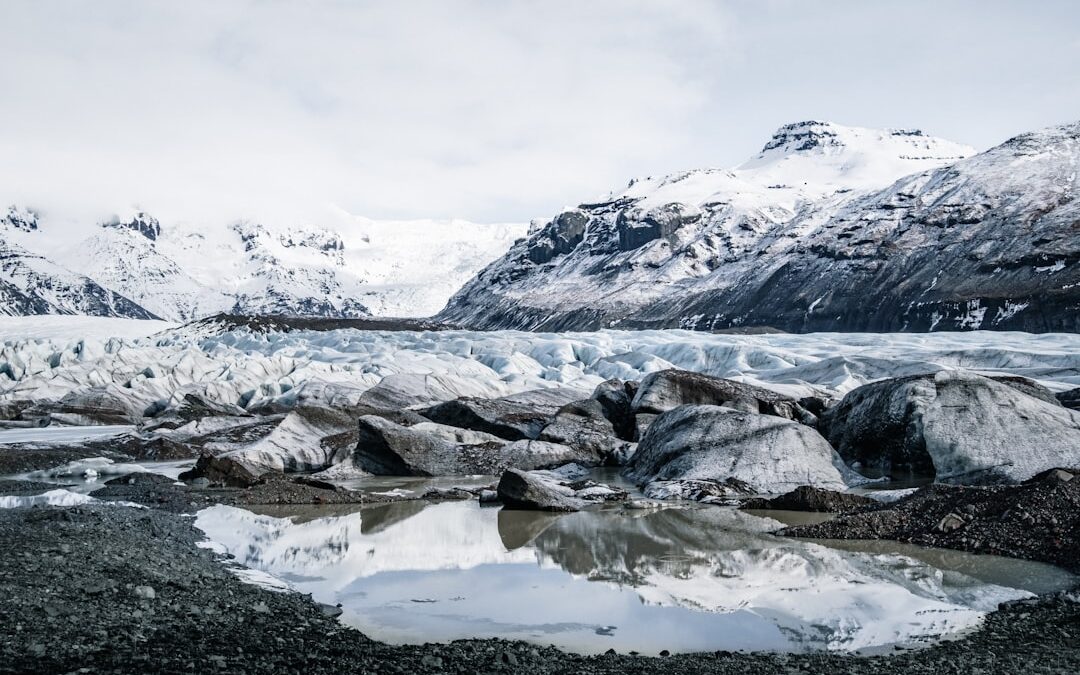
721 560
713 560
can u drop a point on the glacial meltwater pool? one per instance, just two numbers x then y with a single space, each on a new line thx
687 578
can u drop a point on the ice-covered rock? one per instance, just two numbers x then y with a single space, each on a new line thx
389 449
706 491
583 426
705 442
552 491
511 421
527 491
956 426
669 389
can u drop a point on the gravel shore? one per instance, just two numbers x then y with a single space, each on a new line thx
107 589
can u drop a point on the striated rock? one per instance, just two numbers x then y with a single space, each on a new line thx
389 449
524 490
583 426
668 389
552 490
955 426
503 417
705 442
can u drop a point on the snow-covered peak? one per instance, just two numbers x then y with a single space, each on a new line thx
140 222
801 162
20 218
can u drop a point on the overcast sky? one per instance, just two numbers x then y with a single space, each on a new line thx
486 110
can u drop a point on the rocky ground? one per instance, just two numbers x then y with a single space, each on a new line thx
1039 520
107 589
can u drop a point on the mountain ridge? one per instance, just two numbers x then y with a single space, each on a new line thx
737 248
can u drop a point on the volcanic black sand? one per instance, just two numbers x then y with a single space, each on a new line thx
109 589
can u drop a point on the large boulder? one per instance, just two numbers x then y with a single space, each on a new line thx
615 397
1070 399
708 442
306 439
583 426
954 426
557 490
226 471
514 417
669 389
389 449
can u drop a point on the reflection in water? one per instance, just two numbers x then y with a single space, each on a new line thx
683 579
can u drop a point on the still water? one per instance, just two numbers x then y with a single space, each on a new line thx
683 579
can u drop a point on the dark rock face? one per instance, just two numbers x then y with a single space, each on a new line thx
504 418
705 442
668 389
1070 399
143 223
809 498
584 427
615 397
388 449
989 242
222 471
954 426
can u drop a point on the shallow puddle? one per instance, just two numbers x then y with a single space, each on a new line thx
681 579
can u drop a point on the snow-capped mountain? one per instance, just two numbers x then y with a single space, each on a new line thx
31 284
828 228
181 271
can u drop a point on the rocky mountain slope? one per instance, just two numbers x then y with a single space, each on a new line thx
133 266
828 228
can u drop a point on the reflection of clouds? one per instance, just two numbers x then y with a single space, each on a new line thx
710 560
719 560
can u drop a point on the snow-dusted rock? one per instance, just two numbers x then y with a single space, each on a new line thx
705 442
956 426
669 389
706 491
389 449
583 426
552 491
511 421
307 439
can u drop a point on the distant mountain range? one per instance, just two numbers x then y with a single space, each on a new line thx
134 266
828 228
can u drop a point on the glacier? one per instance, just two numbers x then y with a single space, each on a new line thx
248 368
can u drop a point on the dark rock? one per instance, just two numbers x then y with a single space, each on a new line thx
222 471
1070 399
501 417
583 426
668 389
809 498
140 478
615 397
528 491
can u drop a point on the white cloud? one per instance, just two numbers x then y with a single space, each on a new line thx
485 110
213 110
